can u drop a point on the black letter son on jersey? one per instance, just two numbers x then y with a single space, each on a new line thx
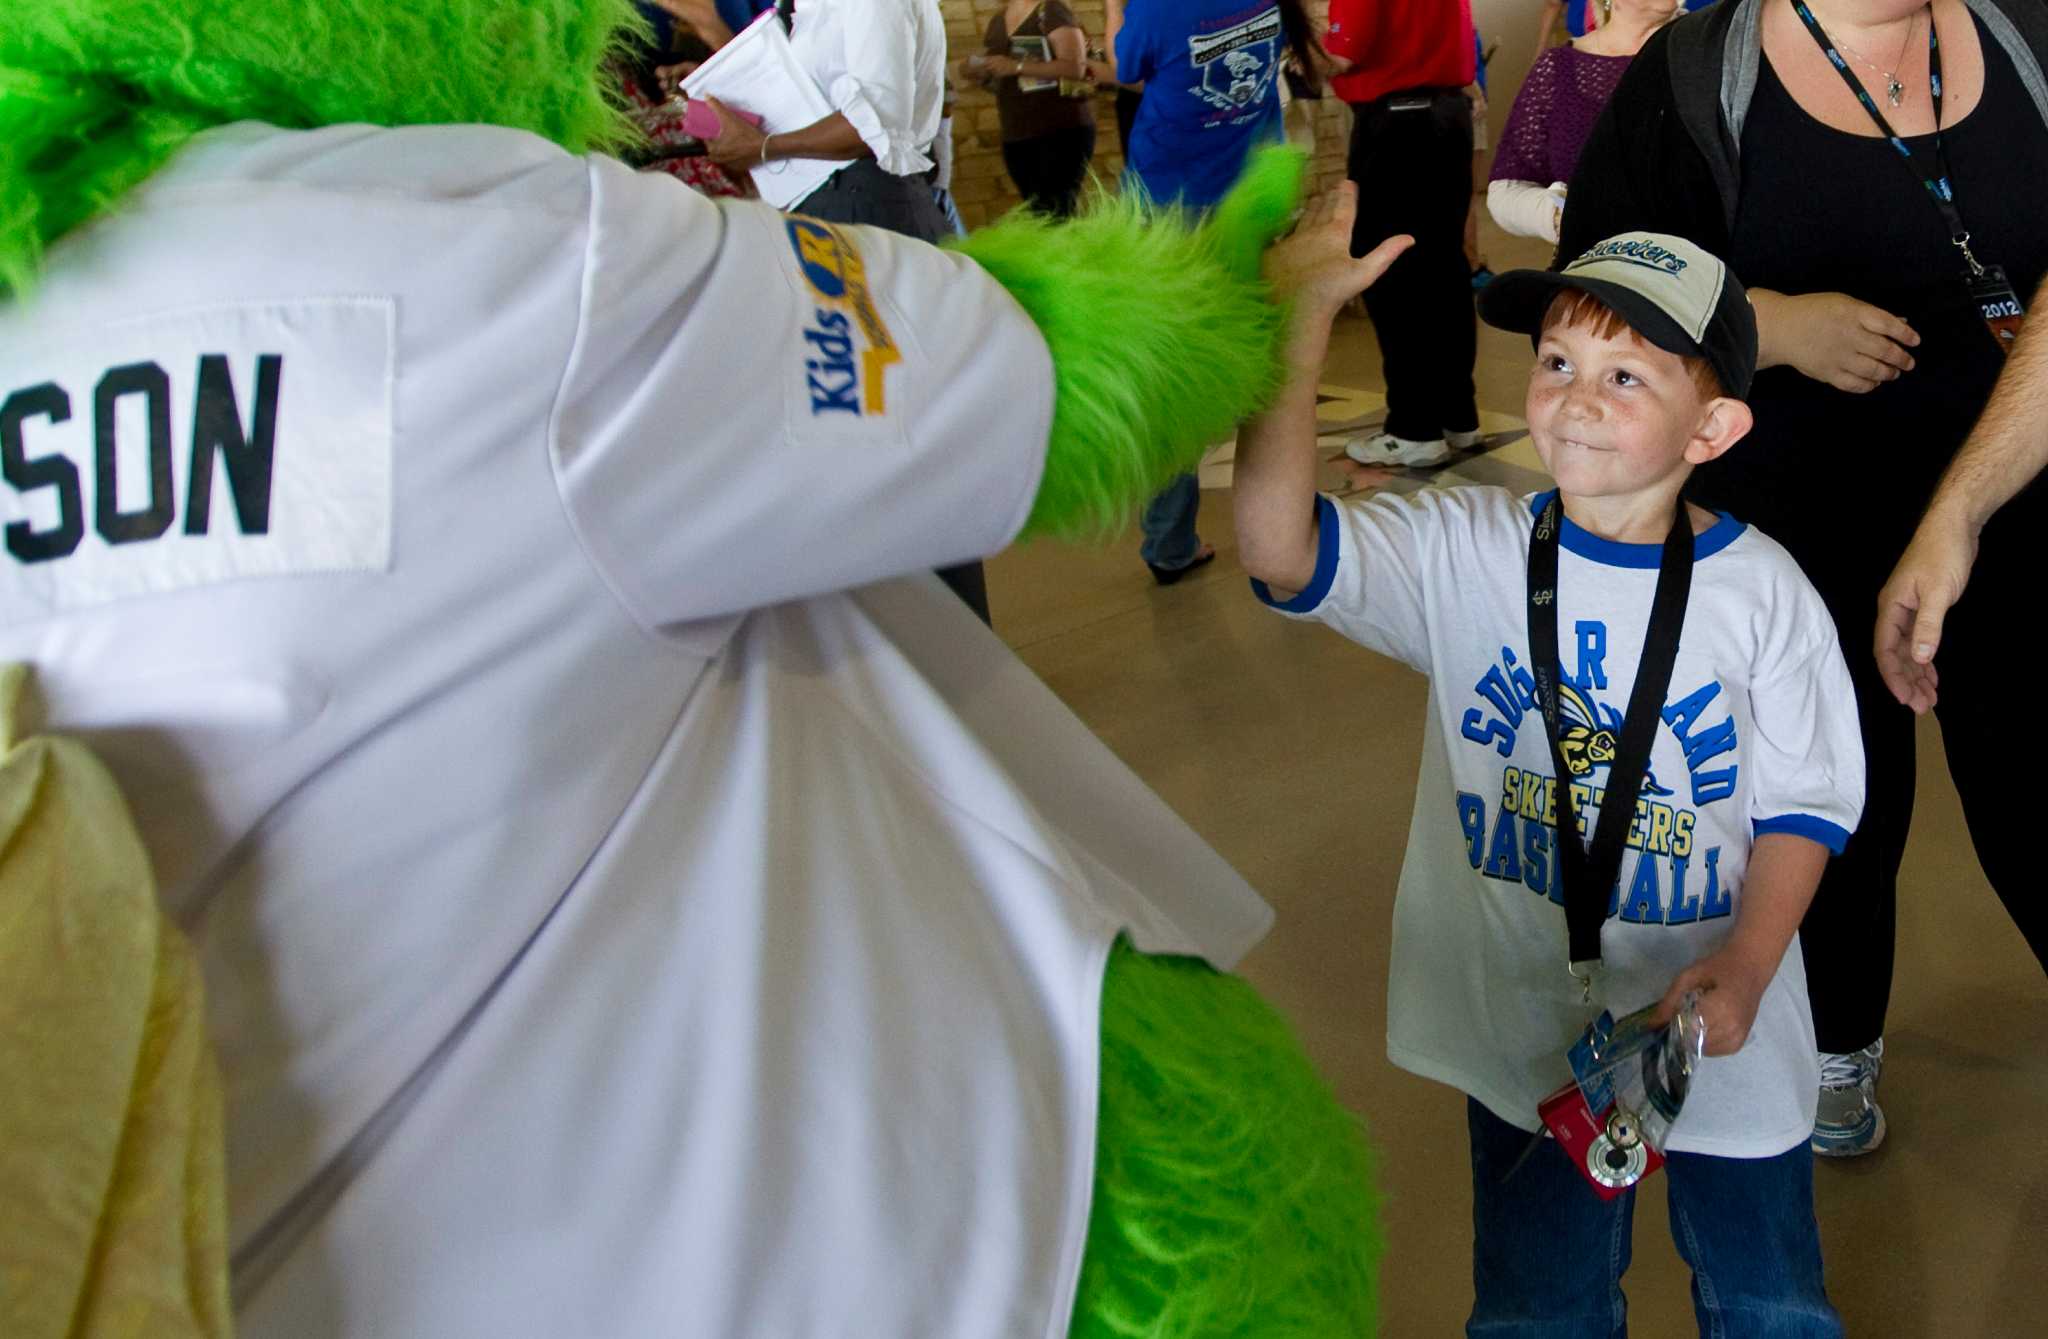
254 441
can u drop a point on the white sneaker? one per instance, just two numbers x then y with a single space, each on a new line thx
1383 448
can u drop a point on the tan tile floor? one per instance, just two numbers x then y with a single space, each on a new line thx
1294 753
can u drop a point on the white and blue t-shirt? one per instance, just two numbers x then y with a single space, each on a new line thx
1211 72
1759 735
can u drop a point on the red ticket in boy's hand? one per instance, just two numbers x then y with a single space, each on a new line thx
700 121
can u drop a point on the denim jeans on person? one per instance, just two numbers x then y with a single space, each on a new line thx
1169 524
1168 520
1548 1254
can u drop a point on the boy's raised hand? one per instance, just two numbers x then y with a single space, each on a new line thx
1313 265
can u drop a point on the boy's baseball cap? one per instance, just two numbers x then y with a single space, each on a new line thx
1676 295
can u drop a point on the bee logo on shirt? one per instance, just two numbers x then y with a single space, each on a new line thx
1588 736
847 346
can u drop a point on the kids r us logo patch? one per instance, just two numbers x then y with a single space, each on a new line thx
848 347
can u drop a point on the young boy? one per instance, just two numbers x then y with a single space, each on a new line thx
1753 773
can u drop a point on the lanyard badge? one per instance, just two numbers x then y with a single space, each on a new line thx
1998 304
1990 292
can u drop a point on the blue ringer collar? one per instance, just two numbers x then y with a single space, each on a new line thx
1614 553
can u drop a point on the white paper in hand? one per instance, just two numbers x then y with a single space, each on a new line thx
757 72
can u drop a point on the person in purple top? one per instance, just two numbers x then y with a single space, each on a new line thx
1554 113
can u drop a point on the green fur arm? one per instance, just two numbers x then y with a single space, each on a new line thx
1235 1198
1163 336
96 95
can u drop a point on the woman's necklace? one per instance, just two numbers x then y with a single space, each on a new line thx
1894 90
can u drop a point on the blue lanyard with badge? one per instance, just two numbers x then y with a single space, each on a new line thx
1629 1077
1990 291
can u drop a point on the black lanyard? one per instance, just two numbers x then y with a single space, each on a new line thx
1940 187
1589 875
785 10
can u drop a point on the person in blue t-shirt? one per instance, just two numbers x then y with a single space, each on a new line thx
1211 74
1211 71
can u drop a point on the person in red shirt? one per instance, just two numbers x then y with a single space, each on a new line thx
1404 66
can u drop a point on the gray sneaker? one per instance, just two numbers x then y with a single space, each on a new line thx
1849 1121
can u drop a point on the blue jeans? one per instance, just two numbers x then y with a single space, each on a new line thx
1169 524
1548 1254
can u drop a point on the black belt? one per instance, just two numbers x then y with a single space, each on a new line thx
1431 91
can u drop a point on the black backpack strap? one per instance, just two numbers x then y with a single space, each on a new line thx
2021 27
1712 57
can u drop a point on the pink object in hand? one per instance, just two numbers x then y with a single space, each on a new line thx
699 120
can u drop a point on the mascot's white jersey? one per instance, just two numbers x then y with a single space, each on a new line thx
609 930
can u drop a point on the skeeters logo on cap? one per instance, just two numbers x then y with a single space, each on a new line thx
1640 250
1676 295
1684 280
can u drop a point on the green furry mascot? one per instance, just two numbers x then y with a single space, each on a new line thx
1232 1195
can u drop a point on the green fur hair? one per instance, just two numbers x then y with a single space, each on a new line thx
95 95
1163 336
1234 1197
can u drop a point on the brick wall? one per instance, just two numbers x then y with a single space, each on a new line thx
981 186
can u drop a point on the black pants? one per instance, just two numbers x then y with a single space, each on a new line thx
861 192
1848 936
1050 168
1411 155
1985 719
1127 100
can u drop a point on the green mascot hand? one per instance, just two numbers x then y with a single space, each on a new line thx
1163 336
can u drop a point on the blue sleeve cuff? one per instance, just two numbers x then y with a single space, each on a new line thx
1311 595
1831 835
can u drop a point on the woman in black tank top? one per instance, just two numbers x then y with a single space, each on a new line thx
1839 232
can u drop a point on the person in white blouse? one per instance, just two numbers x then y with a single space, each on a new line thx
882 65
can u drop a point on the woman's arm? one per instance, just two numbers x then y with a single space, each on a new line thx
1516 196
1069 59
1112 29
973 68
741 146
1525 208
1832 337
1546 24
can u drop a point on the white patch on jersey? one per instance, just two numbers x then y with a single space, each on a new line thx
282 412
